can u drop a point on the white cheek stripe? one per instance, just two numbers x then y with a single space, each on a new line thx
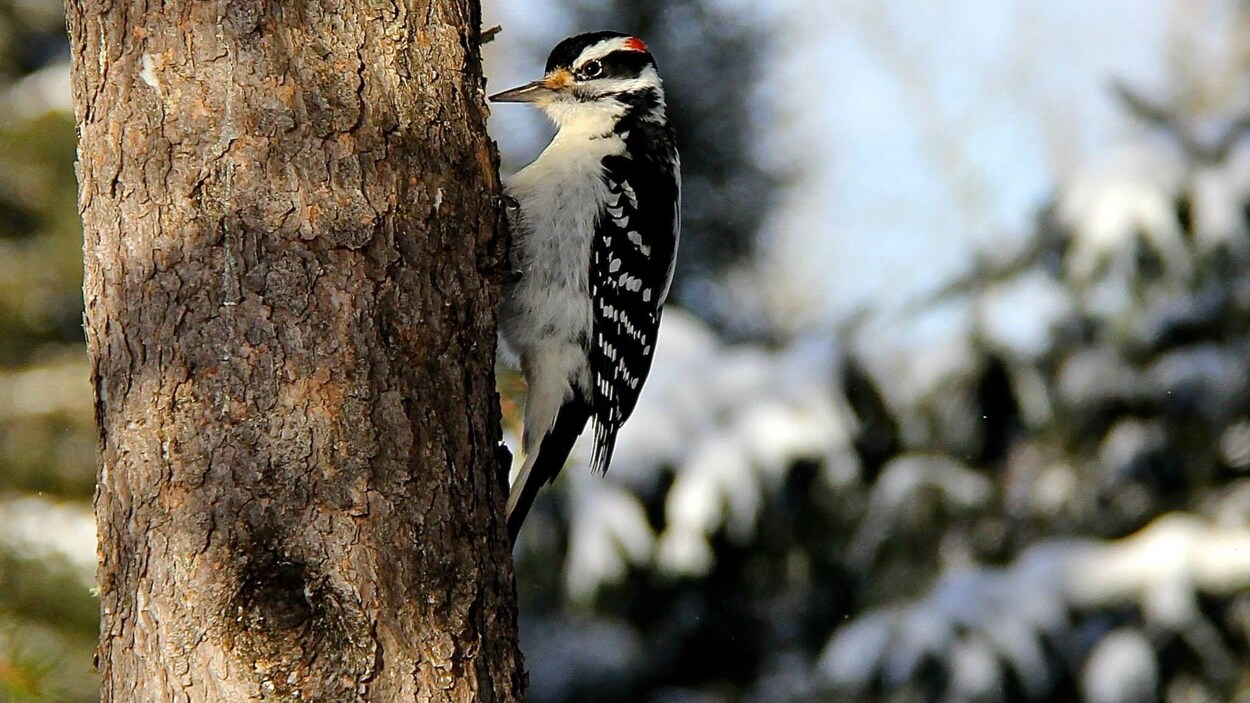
648 78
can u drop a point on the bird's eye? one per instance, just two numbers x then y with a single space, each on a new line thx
591 69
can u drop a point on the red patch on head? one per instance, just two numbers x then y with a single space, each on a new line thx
636 44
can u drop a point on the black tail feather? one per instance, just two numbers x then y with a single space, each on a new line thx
552 453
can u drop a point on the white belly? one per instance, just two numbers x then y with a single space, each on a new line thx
547 311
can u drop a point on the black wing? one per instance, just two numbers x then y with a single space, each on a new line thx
631 268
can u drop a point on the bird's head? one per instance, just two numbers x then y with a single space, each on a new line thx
588 75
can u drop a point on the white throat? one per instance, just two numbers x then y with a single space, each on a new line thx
583 120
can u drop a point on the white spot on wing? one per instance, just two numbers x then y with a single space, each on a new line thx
630 283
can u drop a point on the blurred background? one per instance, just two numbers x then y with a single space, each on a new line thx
953 402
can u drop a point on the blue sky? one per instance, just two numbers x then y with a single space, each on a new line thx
915 132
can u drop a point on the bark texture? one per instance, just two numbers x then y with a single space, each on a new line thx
291 246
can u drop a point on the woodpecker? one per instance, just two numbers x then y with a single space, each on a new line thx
594 242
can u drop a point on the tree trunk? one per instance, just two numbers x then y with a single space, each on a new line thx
292 248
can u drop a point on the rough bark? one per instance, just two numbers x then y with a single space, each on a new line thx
291 239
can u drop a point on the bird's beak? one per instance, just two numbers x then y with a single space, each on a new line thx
538 91
528 93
